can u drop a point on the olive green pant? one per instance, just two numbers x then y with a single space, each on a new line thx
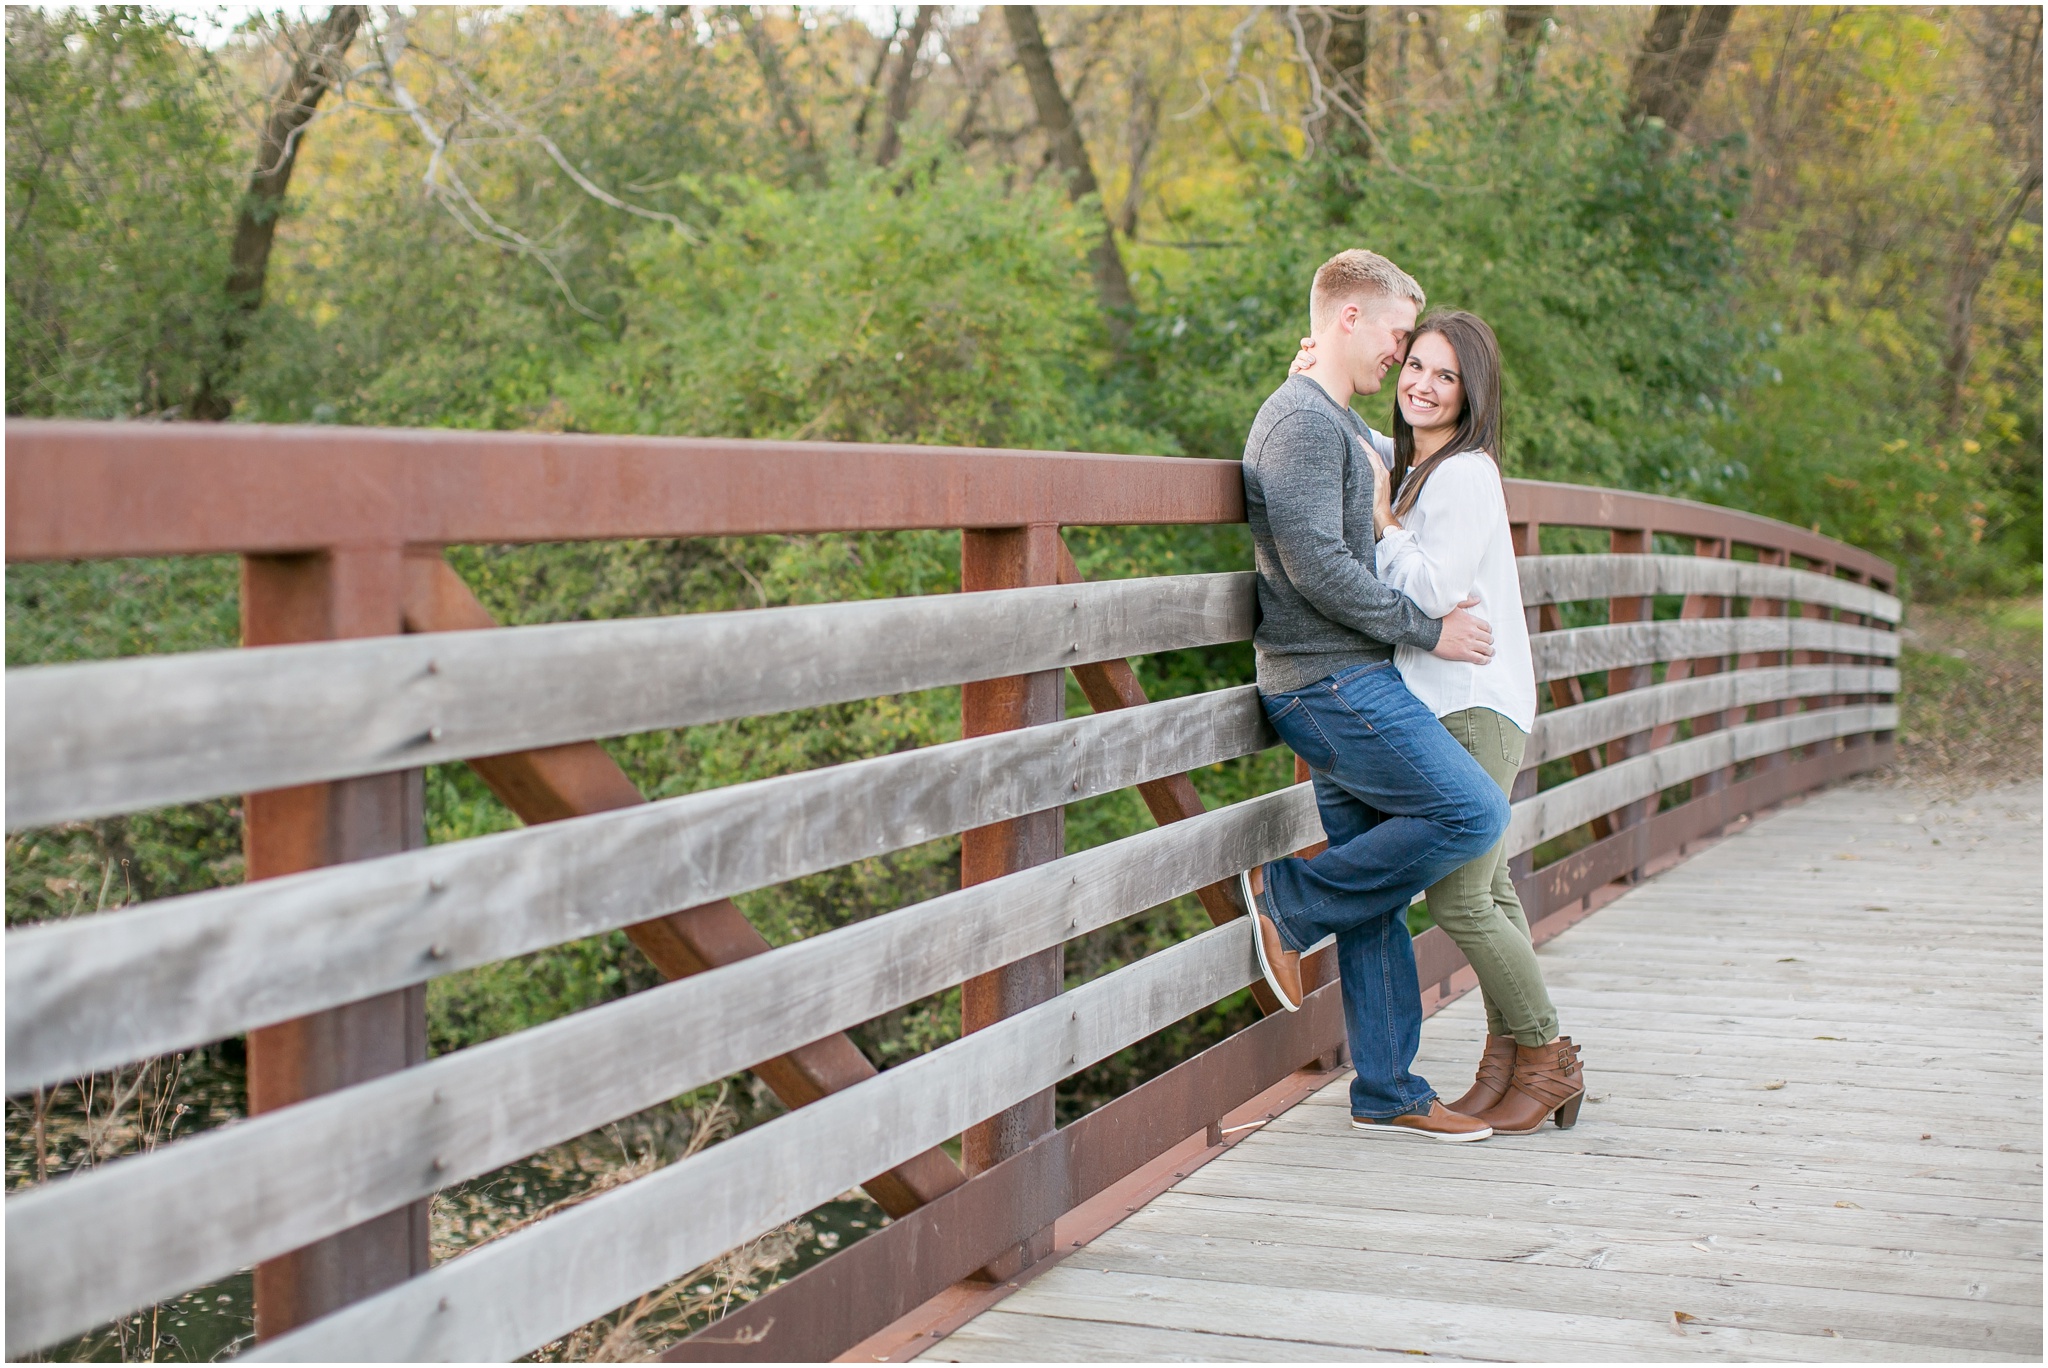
1476 903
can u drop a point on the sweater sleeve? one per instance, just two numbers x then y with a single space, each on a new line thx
1301 471
1437 567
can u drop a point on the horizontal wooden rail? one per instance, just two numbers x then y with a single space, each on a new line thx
1558 810
534 1286
82 490
206 1206
1567 731
98 991
1567 579
1588 650
95 739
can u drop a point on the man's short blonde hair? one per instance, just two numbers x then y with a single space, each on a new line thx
1357 276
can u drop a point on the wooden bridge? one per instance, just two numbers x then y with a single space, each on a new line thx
1733 664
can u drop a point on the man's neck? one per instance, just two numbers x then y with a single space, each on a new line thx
1325 374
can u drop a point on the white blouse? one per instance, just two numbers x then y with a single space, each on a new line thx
1452 545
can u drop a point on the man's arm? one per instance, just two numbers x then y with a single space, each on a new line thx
1301 472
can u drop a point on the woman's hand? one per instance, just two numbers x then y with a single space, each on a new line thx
1382 492
1305 358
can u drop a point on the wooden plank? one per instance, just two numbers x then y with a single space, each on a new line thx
1576 802
1369 1317
1569 579
1739 1256
1588 650
1003 1337
1517 1284
94 739
206 1206
96 991
560 782
536 1285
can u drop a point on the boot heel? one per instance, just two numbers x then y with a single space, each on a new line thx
1568 1115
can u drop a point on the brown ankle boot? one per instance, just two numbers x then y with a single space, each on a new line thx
1546 1082
1491 1083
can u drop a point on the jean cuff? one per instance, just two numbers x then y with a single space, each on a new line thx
1270 905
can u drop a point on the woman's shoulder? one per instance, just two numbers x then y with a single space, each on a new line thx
1463 474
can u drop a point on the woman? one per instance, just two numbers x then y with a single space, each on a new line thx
1442 519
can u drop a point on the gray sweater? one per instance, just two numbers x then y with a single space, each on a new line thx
1308 492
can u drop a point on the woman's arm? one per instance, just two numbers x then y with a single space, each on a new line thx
1461 506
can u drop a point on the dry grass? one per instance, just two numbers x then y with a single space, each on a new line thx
1971 702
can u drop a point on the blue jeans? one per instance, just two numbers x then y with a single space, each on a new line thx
1403 804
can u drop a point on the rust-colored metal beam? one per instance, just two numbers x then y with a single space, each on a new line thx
573 780
1567 505
348 592
1011 558
85 490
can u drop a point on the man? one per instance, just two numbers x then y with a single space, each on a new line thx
1403 804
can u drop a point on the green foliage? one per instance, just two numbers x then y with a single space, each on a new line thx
927 309
1602 265
120 198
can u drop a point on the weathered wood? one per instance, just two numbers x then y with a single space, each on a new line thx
1576 802
1589 650
1567 579
206 1206
1562 731
92 992
1793 1194
118 736
581 778
540 1283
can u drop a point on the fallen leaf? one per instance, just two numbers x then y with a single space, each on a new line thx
1926 1137
1828 1037
1845 855
1832 1334
1875 907
1684 1318
1774 1085
1701 1247
1851 1205
1789 959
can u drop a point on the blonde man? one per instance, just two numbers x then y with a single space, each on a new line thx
1402 803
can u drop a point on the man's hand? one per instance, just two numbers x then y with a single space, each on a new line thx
1465 637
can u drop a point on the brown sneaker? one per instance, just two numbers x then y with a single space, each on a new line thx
1281 966
1438 1123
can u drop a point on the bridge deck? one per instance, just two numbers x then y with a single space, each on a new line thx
1814 1133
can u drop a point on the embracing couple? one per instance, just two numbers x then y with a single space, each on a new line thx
1393 658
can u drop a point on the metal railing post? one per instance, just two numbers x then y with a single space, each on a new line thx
1011 558
353 591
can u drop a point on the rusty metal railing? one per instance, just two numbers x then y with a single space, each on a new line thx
371 658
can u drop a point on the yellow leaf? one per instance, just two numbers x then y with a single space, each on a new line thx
1684 1318
1774 1085
1851 1205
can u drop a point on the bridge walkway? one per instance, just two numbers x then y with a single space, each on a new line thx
1814 1132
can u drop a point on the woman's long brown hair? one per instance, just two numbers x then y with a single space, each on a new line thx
1478 427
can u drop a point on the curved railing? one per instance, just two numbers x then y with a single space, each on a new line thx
368 658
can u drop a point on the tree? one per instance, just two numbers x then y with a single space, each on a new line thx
1674 60
318 65
896 108
1522 31
1063 135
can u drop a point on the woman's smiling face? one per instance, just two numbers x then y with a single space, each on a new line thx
1430 390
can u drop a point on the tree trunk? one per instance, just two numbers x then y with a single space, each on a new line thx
1522 31
316 69
1673 63
1056 118
1346 66
897 108
795 128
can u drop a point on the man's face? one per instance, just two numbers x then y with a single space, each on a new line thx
1379 340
